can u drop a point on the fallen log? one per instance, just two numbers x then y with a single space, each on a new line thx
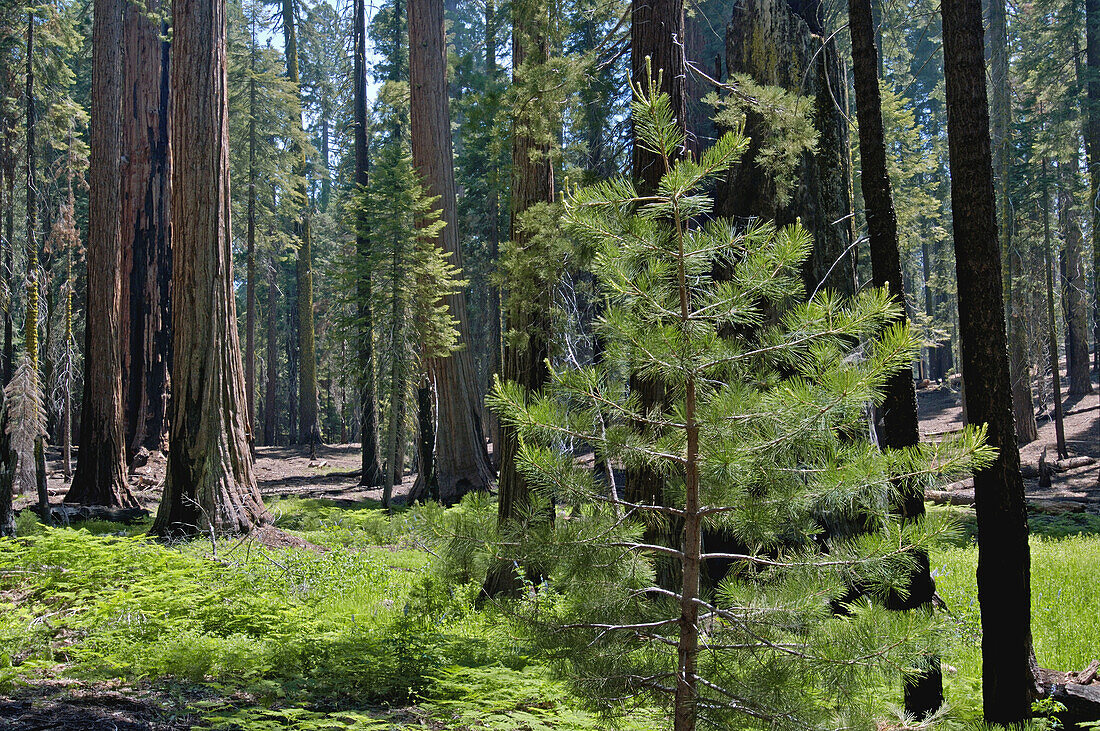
950 497
66 514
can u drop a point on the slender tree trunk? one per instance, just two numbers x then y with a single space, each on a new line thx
496 342
145 230
308 429
923 693
1073 283
1092 62
100 477
9 265
1001 113
461 458
368 391
272 369
1004 573
250 251
210 485
1052 323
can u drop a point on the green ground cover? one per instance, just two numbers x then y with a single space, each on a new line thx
364 635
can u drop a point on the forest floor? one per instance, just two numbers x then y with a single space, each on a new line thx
101 629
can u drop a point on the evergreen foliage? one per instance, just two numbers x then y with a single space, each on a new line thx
765 445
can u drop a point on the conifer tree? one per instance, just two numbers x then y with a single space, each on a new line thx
1004 563
210 485
100 477
759 441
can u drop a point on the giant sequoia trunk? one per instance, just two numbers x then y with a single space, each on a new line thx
1004 572
308 428
924 692
461 457
782 43
528 305
210 485
100 477
146 238
368 392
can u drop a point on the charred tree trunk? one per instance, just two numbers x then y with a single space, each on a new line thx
210 485
1074 286
782 43
1092 63
1004 590
368 391
461 459
145 229
923 693
100 477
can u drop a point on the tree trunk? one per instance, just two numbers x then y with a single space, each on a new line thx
145 229
924 692
8 163
250 244
308 430
1052 324
528 307
1092 62
496 341
461 459
100 477
781 43
272 369
1074 286
1004 590
210 485
1001 112
368 392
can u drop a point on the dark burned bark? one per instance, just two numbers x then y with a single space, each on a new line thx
923 693
146 237
368 392
210 484
1092 140
1074 287
461 458
1052 325
100 477
781 43
656 32
1004 590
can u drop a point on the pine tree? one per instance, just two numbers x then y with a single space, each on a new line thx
759 441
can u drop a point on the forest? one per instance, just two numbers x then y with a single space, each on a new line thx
549 365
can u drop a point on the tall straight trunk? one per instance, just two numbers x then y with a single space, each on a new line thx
1001 113
495 329
250 244
100 477
271 370
210 485
656 30
1004 568
9 229
528 308
1092 63
368 391
30 322
1074 286
461 458
308 429
1052 323
145 229
923 692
